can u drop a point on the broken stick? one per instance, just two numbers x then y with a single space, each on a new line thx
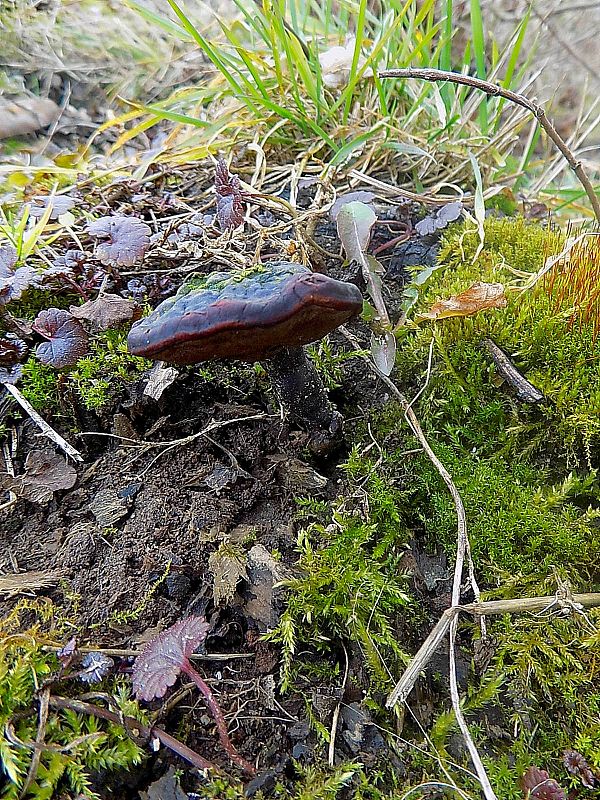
45 428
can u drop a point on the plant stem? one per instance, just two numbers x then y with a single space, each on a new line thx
218 717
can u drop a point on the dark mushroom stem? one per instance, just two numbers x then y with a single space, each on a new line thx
301 391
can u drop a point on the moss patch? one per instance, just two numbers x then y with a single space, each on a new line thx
463 401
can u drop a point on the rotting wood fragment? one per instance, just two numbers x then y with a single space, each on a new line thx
524 390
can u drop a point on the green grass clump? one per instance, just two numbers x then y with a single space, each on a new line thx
76 746
350 586
463 401
271 78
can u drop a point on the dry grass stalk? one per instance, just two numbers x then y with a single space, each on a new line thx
27 582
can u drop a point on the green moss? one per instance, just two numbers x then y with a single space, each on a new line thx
520 527
75 745
463 401
553 675
309 783
36 300
526 478
40 385
99 376
351 585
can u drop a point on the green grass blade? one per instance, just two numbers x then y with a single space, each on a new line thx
446 53
224 65
174 116
512 63
349 90
162 22
478 38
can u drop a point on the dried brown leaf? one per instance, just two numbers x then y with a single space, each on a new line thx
28 582
228 566
106 311
478 297
45 473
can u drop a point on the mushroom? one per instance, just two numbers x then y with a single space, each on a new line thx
265 313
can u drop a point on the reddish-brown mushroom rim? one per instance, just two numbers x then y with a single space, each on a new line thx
248 316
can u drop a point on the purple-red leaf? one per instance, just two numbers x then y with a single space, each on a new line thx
123 240
230 198
67 339
106 311
160 662
8 259
440 218
11 374
12 349
578 766
538 785
65 654
13 282
71 260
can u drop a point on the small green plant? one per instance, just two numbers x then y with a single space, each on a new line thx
75 746
351 586
329 363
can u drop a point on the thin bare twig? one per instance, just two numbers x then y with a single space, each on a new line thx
521 605
524 605
492 89
39 740
45 428
130 653
136 729
336 712
173 443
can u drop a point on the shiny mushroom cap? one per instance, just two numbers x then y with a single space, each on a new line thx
248 315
